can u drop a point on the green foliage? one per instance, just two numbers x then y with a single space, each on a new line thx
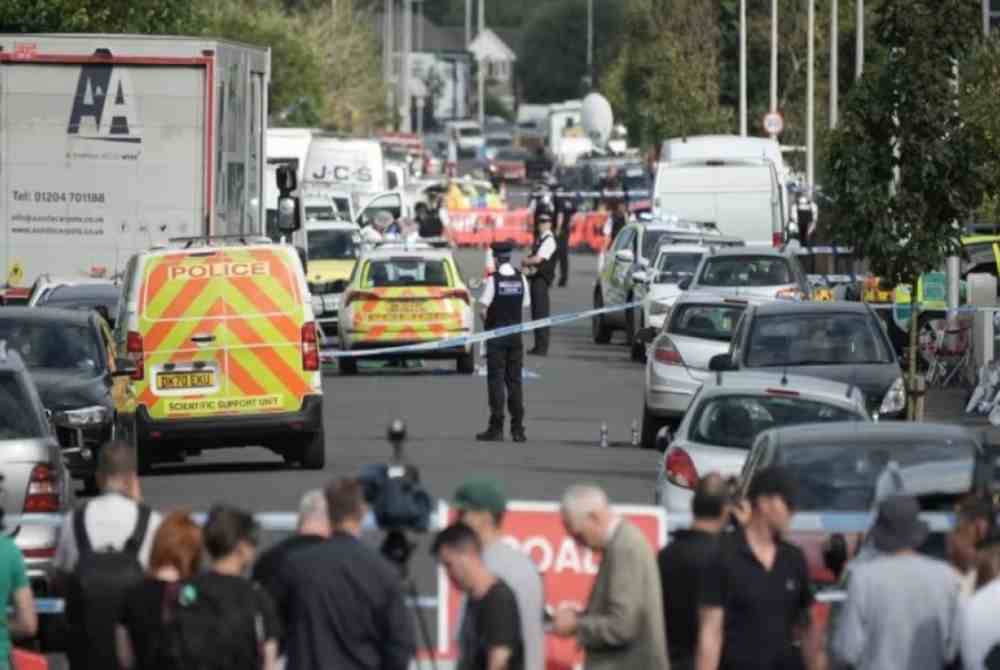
496 107
175 17
980 79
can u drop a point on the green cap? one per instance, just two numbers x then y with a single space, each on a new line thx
481 495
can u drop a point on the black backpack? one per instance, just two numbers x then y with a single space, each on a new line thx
205 629
95 592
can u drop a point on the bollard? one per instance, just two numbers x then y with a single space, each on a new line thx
604 435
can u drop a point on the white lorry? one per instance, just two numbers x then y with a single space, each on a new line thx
115 143
736 183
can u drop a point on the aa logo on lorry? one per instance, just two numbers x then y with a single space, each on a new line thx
104 107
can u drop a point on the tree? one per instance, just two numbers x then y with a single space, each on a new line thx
980 80
905 165
171 17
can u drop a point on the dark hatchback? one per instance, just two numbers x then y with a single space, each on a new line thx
102 298
70 355
844 469
842 342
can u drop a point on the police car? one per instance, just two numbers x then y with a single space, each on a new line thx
406 293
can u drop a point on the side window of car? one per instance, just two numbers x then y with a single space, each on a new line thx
736 343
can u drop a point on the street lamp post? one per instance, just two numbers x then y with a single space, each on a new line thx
404 72
810 99
774 56
743 67
859 43
481 68
590 43
834 58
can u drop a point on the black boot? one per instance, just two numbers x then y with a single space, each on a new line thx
517 434
492 434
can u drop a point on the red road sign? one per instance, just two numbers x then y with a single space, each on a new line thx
567 570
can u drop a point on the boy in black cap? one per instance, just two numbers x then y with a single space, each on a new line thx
504 299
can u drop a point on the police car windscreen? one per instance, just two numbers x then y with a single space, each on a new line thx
746 271
735 420
331 245
17 420
673 267
844 477
52 345
407 272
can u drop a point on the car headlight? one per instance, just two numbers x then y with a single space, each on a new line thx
85 416
895 398
658 308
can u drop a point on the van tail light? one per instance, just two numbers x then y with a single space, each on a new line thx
359 295
43 490
133 349
776 240
310 347
667 353
460 294
680 469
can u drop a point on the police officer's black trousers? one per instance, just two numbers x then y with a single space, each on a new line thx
504 363
562 257
540 310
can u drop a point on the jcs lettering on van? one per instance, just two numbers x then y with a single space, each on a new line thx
208 270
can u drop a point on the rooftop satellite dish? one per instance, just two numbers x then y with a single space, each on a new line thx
597 119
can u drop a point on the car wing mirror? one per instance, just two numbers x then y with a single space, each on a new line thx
684 284
720 363
640 277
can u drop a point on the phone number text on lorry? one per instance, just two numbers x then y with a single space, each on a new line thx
57 196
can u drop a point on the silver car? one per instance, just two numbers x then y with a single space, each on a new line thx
35 479
697 327
753 272
727 414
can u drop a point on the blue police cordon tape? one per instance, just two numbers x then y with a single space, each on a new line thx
465 340
827 522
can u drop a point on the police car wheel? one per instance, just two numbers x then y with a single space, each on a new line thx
466 364
348 366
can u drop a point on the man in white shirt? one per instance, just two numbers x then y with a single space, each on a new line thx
505 296
540 268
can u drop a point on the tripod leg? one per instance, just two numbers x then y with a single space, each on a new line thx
425 634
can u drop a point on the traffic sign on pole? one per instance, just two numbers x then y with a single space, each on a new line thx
774 123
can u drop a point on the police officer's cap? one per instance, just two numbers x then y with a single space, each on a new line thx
544 217
504 249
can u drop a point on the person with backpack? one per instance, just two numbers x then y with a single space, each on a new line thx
220 620
104 546
175 558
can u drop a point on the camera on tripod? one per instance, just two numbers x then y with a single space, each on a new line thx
396 497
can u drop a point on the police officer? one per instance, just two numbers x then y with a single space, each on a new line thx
565 210
540 267
505 296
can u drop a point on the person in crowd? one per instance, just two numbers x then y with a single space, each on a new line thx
565 210
979 642
481 505
741 622
681 564
346 606
504 298
490 634
618 218
15 590
540 268
902 608
175 558
429 221
975 520
313 528
622 626
107 542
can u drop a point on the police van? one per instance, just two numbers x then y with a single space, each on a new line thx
226 352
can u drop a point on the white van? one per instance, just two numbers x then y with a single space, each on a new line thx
337 164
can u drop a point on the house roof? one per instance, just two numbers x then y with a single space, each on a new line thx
488 46
427 36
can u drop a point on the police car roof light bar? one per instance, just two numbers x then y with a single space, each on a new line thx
208 240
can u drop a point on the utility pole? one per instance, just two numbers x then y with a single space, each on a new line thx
388 49
859 44
420 25
590 44
834 65
810 100
743 67
481 68
468 22
774 56
404 72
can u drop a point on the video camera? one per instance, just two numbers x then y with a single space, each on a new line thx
393 490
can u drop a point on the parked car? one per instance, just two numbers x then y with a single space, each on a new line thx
698 327
72 359
34 477
633 250
840 341
727 413
101 297
509 165
847 468
761 272
47 283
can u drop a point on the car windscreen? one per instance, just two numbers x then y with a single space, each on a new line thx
406 272
827 338
709 322
53 345
735 420
746 271
18 421
331 245
845 477
672 267
82 297
469 132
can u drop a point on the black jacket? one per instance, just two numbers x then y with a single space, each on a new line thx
681 562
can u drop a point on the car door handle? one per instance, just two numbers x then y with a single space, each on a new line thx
202 339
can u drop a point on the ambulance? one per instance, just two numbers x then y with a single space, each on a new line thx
226 350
